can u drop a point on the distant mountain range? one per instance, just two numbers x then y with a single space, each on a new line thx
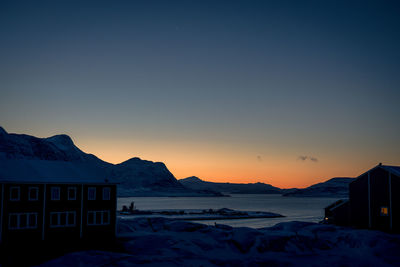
196 183
335 187
24 156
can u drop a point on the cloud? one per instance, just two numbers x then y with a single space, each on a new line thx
259 158
304 158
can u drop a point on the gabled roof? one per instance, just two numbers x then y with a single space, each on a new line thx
48 171
392 169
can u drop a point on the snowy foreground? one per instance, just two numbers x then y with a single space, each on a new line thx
165 242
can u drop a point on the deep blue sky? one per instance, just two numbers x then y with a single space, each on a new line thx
219 89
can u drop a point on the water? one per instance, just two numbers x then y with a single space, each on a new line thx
294 208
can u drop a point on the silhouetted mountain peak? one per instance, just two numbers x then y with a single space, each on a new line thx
191 179
2 131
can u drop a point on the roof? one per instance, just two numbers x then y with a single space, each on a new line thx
392 169
47 171
337 204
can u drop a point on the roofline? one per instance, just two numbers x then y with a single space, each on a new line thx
343 201
374 168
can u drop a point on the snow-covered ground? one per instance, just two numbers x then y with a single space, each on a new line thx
165 242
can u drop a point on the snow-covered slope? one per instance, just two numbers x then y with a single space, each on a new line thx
335 187
24 157
196 183
163 242
144 178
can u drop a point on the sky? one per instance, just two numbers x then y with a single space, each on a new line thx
288 93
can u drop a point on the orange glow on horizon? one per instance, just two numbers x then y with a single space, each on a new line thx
222 165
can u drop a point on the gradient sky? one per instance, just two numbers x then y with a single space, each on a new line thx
284 92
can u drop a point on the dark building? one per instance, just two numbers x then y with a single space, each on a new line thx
338 213
374 201
52 207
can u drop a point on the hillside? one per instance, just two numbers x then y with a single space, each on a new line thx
57 158
196 183
335 187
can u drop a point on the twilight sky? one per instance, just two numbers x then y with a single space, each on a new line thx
284 92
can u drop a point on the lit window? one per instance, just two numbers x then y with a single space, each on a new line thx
92 193
63 219
101 217
33 193
106 193
55 193
23 220
384 211
71 193
14 193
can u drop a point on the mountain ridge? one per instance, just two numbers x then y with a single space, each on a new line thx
336 187
135 177
196 183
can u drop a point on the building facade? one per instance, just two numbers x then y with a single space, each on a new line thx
374 201
61 212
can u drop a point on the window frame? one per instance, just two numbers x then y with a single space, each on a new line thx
27 225
68 190
58 223
108 195
37 193
59 193
95 222
94 194
19 193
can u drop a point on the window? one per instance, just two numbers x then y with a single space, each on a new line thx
101 217
92 193
55 193
63 219
14 193
384 211
33 193
71 193
106 193
23 220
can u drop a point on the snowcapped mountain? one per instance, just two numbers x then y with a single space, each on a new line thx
25 157
335 187
196 183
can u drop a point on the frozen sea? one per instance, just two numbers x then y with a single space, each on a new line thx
294 208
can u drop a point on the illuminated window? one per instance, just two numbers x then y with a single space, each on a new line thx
384 211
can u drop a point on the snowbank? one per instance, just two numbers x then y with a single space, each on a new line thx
164 242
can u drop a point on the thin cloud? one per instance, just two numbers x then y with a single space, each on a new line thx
304 158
